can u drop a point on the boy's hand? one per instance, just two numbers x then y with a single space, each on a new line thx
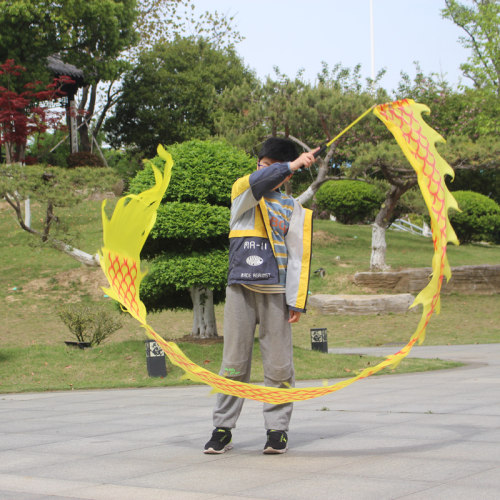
304 160
294 316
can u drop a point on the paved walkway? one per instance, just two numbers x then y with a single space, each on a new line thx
433 435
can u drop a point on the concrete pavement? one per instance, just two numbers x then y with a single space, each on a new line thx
433 435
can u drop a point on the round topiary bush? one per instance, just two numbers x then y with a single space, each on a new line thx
479 219
203 172
187 248
349 201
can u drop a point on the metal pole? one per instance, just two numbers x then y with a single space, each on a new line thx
372 40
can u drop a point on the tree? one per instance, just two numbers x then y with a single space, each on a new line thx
21 114
169 96
188 246
481 24
53 187
28 34
99 36
98 31
161 21
451 113
308 114
385 160
89 33
476 164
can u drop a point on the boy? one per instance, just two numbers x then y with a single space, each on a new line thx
269 260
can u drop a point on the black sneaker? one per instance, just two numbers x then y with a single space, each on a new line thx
277 442
219 442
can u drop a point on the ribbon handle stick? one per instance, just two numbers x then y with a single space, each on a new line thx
323 147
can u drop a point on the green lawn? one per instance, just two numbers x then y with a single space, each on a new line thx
35 279
122 364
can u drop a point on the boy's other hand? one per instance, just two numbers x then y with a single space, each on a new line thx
294 316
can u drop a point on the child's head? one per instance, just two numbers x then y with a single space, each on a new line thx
278 149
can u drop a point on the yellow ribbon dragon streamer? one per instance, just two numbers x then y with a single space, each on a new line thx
134 216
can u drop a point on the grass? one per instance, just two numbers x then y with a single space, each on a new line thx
343 250
35 279
122 364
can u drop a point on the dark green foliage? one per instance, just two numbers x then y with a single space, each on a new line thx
42 145
476 164
188 245
125 163
89 34
84 159
479 219
349 201
203 172
171 274
171 95
484 181
188 226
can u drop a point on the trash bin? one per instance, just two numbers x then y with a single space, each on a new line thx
155 359
319 339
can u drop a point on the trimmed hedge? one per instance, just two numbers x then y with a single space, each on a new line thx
349 201
479 219
187 227
203 172
166 286
188 245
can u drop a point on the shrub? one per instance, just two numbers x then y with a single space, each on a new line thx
31 160
125 163
88 323
167 284
479 219
349 201
188 246
84 159
203 172
44 143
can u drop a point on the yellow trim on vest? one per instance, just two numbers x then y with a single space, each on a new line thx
264 216
240 186
241 233
306 259
259 227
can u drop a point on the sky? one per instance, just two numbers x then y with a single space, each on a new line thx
294 35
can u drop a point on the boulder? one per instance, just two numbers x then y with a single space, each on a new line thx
481 279
362 304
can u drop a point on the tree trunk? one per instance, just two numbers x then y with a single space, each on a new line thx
85 140
379 246
204 324
382 222
9 153
21 153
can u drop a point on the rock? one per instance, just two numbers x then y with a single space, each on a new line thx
362 304
482 279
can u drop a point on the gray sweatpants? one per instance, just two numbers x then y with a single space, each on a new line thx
245 309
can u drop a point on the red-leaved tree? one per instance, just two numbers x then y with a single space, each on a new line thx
21 113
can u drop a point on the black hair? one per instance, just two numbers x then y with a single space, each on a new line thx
278 149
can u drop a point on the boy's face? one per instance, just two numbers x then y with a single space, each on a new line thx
267 162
